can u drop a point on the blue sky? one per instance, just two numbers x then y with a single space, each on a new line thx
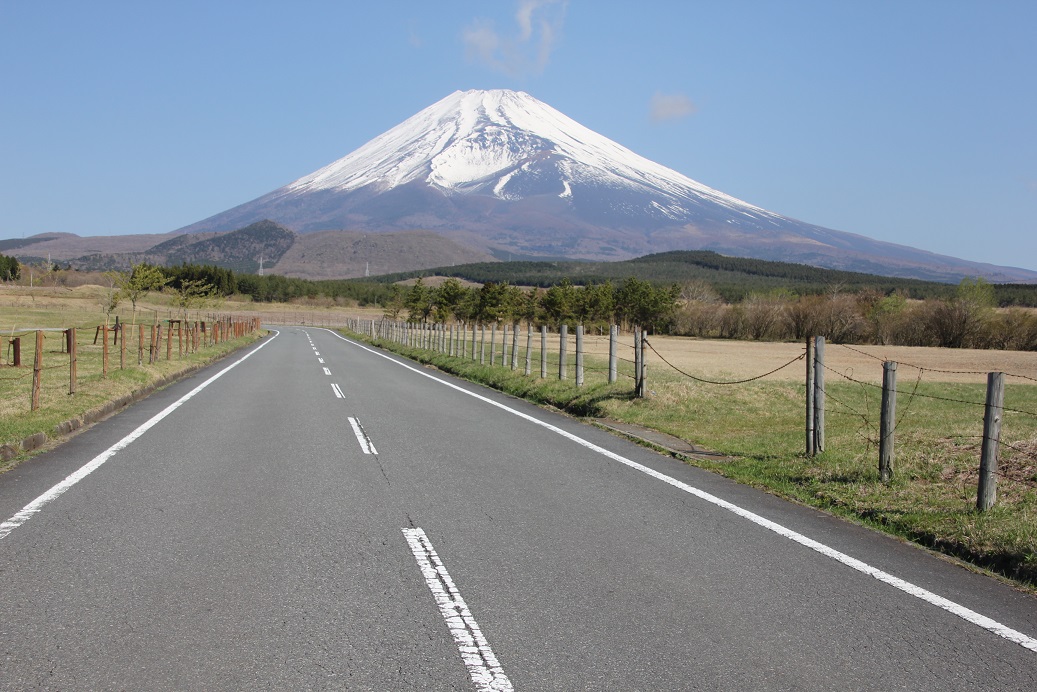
913 121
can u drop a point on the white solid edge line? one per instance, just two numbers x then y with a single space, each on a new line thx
907 587
482 664
82 472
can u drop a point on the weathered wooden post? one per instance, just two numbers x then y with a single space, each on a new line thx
887 422
482 344
579 355
529 348
811 440
987 495
543 351
563 336
514 346
169 341
638 352
16 348
37 372
613 371
104 351
72 362
140 345
819 396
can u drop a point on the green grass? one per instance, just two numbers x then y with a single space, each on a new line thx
931 499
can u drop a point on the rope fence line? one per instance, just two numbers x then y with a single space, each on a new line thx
720 382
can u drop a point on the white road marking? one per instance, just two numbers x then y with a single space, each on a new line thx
326 371
476 653
338 392
362 437
316 352
82 472
957 609
320 360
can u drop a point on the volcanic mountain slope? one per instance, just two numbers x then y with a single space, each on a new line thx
348 254
502 172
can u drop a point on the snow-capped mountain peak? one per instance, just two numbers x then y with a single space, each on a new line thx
487 141
501 172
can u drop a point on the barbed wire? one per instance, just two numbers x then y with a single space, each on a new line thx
935 397
938 370
720 382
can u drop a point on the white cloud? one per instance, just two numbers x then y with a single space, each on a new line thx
671 106
539 24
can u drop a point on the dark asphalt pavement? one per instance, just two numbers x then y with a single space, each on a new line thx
323 516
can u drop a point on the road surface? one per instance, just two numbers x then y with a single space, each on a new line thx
315 514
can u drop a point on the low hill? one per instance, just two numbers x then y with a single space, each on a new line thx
732 277
347 254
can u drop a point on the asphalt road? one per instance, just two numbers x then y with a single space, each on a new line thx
322 516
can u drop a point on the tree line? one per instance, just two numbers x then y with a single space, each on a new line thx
968 318
969 315
632 302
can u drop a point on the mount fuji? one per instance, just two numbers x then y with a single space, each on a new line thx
501 172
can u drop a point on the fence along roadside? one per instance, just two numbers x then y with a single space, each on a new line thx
817 393
191 337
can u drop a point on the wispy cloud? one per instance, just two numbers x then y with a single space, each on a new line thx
539 26
671 107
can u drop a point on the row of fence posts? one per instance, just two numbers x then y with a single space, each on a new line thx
190 338
469 341
992 418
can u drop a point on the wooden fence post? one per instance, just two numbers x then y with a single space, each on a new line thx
811 440
579 355
613 371
104 351
37 371
72 361
543 351
987 495
887 422
140 345
529 348
493 343
16 357
563 336
169 341
819 394
514 345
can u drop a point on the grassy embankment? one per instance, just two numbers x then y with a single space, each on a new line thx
23 311
760 425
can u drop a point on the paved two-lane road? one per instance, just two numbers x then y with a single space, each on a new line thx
322 516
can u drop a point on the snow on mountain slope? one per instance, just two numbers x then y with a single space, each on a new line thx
479 141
